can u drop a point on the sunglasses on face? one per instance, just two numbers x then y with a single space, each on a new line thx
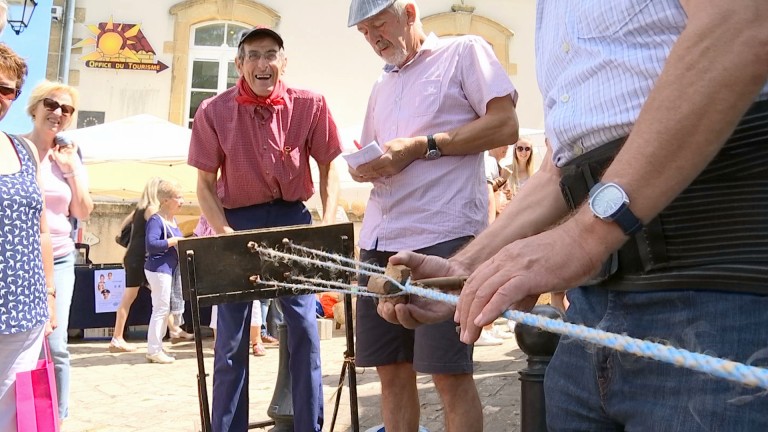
9 93
523 149
52 105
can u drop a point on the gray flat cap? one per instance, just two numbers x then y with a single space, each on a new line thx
361 10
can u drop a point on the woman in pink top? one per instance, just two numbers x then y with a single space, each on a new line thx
51 106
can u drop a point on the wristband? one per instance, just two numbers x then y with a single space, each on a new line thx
70 174
51 292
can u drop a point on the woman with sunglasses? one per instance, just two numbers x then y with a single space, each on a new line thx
51 106
27 292
522 166
522 169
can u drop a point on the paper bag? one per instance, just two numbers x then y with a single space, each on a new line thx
37 406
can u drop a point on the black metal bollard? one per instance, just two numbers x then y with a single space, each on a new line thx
281 406
539 345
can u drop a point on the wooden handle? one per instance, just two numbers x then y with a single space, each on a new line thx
447 283
382 285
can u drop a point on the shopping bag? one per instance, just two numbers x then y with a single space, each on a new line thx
37 406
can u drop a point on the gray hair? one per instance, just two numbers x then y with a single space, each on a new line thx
398 8
167 189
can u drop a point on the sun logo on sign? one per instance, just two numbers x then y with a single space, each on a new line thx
119 46
112 42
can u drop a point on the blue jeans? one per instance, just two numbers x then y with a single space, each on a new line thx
597 389
272 322
64 279
232 353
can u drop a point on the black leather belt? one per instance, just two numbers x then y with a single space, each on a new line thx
644 251
716 226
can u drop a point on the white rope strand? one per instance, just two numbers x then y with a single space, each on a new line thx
730 370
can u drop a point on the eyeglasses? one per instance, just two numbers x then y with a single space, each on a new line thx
9 93
520 149
254 56
52 105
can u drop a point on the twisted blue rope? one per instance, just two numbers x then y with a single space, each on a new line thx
340 288
323 263
357 264
727 369
297 287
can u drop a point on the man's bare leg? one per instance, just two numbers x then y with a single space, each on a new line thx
399 397
462 409
559 301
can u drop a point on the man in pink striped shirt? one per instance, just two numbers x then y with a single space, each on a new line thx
438 105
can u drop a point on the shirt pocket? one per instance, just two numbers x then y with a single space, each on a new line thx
292 161
603 18
425 96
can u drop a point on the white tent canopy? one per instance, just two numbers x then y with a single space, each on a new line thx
139 138
122 155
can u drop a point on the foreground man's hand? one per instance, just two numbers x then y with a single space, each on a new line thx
514 278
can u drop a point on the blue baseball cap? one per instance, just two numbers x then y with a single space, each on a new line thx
361 10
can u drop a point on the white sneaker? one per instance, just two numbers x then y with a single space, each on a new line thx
487 339
160 357
501 334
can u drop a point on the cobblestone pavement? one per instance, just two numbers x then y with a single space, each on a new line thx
123 392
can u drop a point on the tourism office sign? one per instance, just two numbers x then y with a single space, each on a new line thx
119 46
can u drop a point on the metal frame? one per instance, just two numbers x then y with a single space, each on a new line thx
219 269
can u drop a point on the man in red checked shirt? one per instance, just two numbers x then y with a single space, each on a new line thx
259 136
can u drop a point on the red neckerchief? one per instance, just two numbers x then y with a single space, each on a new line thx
246 95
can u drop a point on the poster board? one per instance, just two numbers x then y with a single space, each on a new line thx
83 310
109 286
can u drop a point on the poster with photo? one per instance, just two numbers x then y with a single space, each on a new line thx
108 288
